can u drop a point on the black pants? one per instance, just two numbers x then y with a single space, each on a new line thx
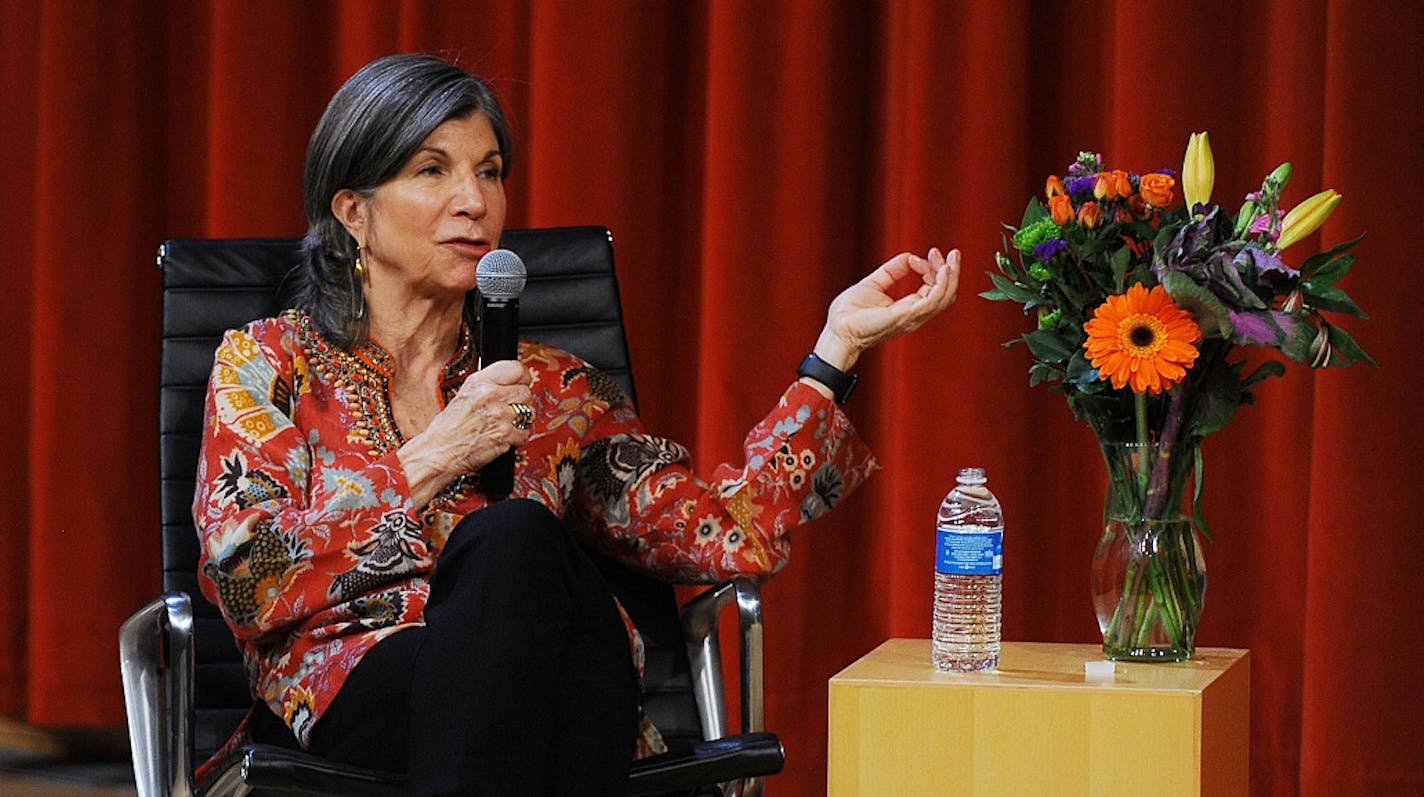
519 683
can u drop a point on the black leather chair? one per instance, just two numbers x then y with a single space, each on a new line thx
184 683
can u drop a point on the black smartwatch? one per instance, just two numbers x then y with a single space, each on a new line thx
841 384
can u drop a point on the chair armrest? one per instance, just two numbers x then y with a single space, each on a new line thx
156 663
729 758
700 618
267 769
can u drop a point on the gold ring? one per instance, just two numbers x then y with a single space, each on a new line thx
523 415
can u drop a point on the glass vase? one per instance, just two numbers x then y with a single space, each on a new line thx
1149 575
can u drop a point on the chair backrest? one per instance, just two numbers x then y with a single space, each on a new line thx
571 301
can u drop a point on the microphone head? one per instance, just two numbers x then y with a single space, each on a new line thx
500 275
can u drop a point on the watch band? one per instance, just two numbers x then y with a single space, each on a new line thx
840 383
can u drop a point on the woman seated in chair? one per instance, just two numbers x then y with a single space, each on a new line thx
390 613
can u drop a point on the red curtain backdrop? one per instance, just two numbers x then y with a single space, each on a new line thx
752 159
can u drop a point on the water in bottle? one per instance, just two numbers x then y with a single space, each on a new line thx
969 557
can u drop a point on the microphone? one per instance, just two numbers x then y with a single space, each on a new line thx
500 277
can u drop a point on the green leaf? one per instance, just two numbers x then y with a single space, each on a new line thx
1048 346
1220 396
1042 372
1198 481
1080 371
1163 240
1035 211
1331 272
1139 229
1010 290
1299 334
1007 264
1210 314
1120 260
1266 369
1108 412
1345 351
1333 300
1315 262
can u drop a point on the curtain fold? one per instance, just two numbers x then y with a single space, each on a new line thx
19 25
753 159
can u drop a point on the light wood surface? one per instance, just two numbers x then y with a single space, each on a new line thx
1039 725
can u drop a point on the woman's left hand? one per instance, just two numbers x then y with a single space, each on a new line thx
867 314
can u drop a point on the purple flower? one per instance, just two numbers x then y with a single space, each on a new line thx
1268 263
1078 186
1257 326
1263 222
1046 250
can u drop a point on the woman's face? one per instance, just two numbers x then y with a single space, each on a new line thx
427 227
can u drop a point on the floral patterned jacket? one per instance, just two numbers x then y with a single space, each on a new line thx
314 550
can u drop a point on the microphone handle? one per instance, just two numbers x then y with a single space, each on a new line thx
499 330
499 340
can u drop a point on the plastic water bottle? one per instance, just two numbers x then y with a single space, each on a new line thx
969 561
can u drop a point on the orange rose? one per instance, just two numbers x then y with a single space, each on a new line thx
1104 186
1061 207
1089 215
1054 187
1157 189
1124 185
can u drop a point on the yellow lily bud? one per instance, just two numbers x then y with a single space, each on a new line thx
1198 170
1306 218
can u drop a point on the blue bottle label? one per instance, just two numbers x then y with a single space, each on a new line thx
970 551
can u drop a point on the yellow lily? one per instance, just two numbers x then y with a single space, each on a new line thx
1198 171
1306 218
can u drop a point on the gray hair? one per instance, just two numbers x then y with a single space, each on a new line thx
372 126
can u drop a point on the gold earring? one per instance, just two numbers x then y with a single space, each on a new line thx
358 299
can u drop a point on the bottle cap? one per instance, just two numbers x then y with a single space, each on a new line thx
972 476
1099 670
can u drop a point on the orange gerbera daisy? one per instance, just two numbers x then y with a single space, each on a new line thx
1142 339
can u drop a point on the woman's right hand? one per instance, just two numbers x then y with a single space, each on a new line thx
476 426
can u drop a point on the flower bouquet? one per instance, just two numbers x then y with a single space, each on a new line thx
1141 305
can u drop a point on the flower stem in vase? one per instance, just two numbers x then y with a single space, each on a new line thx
1144 442
1164 599
1144 628
1129 607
